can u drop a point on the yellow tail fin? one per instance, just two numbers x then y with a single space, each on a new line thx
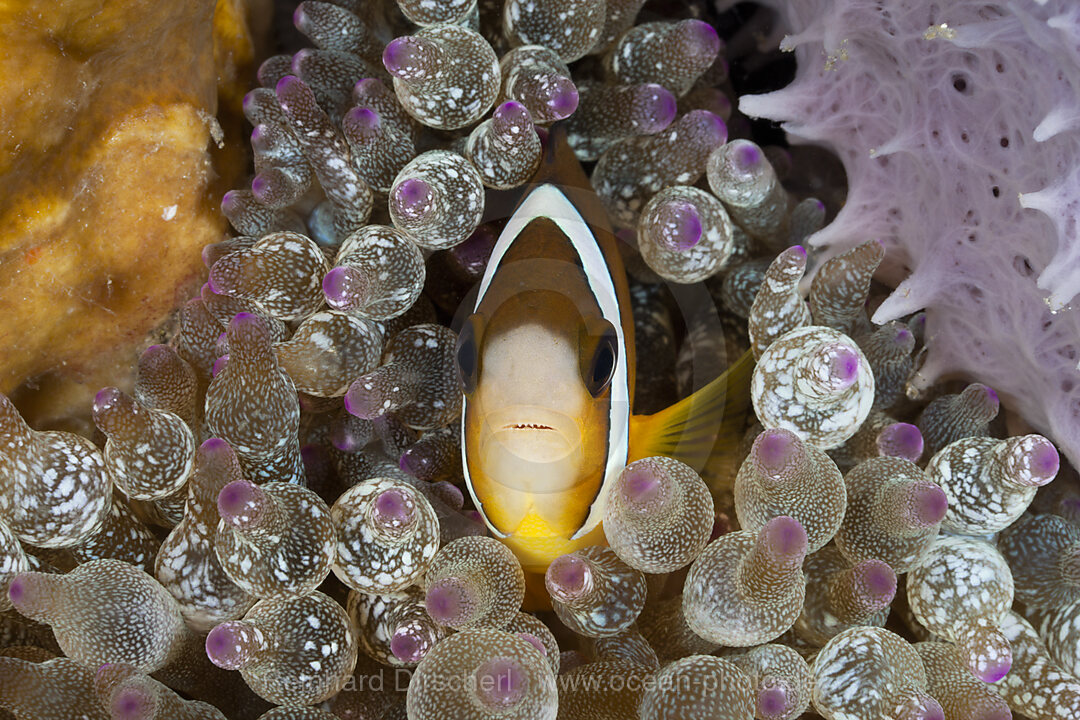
712 420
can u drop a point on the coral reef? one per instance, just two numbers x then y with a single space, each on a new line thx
956 126
111 164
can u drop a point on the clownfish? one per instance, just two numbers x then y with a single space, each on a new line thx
546 364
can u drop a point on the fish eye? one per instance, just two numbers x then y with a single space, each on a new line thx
602 367
468 359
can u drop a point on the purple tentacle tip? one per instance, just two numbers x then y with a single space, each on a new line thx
776 450
902 440
219 365
929 504
714 126
563 98
641 488
215 446
774 700
242 319
568 577
230 203
993 671
343 285
288 85
394 54
658 107
933 711
501 683
681 226
260 187
313 457
219 641
705 37
260 143
226 645
363 119
400 56
133 703
534 641
298 59
473 254
845 366
746 159
259 140
512 112
209 285
876 582
666 107
17 590
448 601
412 198
107 399
334 285
247 330
1045 461
785 536
405 646
347 438
393 509
239 502
363 402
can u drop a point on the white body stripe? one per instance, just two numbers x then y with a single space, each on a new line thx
547 201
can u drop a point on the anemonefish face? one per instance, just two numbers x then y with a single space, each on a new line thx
545 371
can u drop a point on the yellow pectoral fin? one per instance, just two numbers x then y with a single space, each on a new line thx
536 542
710 421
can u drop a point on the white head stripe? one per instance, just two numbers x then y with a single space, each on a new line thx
547 201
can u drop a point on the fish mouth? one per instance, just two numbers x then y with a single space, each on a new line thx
533 434
527 426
